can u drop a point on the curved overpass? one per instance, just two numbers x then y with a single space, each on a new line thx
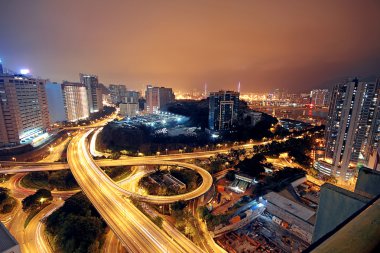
136 232
202 189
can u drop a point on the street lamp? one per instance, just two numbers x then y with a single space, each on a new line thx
42 200
166 150
14 159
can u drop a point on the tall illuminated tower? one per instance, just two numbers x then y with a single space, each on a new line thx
352 130
94 92
223 110
23 109
75 100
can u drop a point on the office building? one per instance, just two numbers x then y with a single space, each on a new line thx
319 97
24 110
129 109
75 101
352 130
56 102
118 93
94 92
132 97
157 97
337 204
374 160
223 110
8 243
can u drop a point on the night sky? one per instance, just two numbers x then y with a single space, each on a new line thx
296 45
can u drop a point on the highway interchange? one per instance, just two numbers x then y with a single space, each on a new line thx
135 231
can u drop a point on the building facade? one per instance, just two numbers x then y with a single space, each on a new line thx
75 101
56 102
118 93
129 109
24 110
319 97
223 110
94 92
352 130
132 97
157 97
8 243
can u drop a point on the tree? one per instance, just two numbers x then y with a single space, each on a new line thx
33 201
254 166
7 203
230 175
158 221
115 155
76 226
203 212
179 205
4 194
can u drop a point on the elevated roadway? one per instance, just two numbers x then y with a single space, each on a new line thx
136 232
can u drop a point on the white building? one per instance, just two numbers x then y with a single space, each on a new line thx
24 113
129 109
75 100
94 92
319 97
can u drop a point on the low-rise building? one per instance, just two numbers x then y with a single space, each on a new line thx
129 109
174 181
8 243
295 215
252 118
337 204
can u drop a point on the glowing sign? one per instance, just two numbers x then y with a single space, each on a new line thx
24 71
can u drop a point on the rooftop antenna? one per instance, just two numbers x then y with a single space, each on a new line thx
238 87
205 94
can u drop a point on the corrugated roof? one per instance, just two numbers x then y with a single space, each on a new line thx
290 206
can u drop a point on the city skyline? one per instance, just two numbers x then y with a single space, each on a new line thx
218 43
208 126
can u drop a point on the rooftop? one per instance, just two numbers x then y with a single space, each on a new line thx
290 206
6 239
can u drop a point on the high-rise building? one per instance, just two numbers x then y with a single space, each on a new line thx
352 130
24 110
118 93
223 110
75 100
319 97
157 97
94 92
374 160
132 97
56 102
